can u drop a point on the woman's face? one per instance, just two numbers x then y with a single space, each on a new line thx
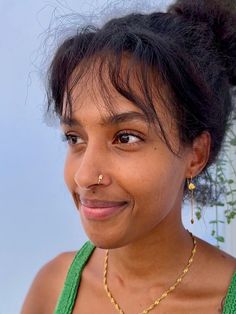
141 175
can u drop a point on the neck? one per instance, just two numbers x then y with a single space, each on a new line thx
162 254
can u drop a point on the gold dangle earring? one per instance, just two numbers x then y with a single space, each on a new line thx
191 187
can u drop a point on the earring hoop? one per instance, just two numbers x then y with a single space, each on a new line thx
100 177
191 187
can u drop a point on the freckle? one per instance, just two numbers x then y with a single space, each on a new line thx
155 148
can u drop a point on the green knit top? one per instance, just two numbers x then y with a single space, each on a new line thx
67 297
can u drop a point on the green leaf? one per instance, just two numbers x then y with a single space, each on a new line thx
219 204
230 181
231 203
220 239
232 215
221 179
198 215
229 193
233 142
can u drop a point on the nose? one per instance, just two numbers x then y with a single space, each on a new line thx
91 164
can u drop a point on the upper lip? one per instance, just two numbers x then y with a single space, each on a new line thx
95 203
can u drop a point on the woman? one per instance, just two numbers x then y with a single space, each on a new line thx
143 103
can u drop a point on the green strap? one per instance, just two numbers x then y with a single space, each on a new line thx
67 297
230 301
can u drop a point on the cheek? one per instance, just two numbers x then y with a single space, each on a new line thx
155 182
69 173
148 174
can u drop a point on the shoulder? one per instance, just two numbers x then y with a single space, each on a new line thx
216 266
47 285
216 257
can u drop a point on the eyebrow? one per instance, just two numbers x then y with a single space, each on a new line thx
110 120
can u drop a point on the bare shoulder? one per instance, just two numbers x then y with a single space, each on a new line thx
218 266
47 285
220 258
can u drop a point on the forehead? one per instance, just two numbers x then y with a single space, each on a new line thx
90 106
86 110
112 89
89 94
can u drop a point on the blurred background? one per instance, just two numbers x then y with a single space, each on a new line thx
38 218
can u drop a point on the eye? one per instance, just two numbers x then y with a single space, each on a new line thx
71 139
126 137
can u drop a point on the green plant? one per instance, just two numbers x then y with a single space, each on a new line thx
222 179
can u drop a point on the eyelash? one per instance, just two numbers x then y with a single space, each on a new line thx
70 137
132 134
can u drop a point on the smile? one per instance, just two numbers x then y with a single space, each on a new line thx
102 212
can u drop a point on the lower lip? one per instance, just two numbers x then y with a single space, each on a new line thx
101 213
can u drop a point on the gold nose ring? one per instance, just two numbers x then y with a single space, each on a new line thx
100 178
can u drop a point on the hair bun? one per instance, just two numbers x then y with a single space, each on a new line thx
220 15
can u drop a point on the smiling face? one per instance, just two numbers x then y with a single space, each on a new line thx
141 175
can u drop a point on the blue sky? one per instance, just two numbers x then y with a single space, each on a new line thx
38 219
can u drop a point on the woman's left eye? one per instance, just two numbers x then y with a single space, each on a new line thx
128 138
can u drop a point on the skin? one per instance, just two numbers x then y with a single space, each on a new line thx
149 230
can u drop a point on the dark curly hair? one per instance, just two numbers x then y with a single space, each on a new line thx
186 56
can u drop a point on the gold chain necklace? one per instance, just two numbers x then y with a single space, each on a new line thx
164 294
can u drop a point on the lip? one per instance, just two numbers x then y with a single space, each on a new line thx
100 209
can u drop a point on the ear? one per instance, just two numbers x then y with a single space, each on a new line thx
199 154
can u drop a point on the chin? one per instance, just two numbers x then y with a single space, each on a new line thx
104 239
108 233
